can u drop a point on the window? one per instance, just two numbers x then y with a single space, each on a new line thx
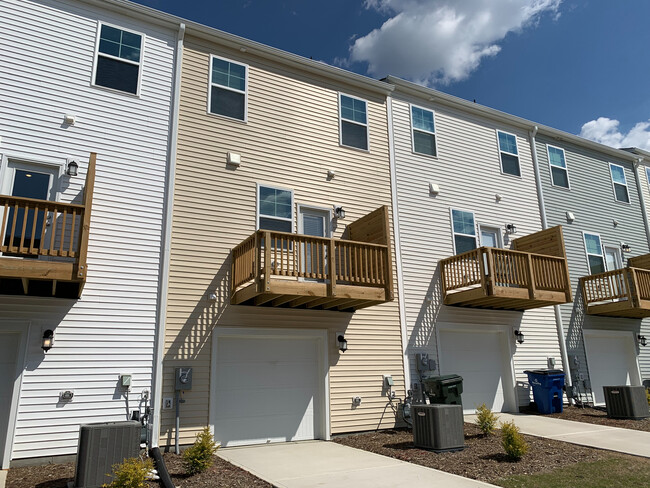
594 251
274 209
464 231
647 174
509 154
354 122
227 95
118 59
557 162
620 184
424 131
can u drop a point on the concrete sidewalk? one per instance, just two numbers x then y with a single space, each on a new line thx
627 441
322 464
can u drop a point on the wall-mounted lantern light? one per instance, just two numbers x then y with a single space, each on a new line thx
73 168
511 228
48 340
642 340
339 212
342 342
520 336
625 247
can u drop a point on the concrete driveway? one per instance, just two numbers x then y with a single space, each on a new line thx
600 436
325 464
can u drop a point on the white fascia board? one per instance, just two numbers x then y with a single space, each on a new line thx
240 43
475 108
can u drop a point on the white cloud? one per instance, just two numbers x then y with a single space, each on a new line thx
607 131
440 41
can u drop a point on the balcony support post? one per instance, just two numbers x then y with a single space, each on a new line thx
267 261
331 268
633 287
531 277
491 271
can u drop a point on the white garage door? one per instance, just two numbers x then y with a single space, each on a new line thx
480 358
268 389
611 358
9 346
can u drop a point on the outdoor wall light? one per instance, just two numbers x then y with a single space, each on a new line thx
625 247
331 173
511 228
342 342
48 340
642 340
520 336
339 212
73 168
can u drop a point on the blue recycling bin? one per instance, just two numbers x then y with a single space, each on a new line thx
548 385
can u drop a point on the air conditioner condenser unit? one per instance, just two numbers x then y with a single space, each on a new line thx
438 427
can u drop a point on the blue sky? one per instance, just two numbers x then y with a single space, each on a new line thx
578 65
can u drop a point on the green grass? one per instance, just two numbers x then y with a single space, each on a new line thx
614 472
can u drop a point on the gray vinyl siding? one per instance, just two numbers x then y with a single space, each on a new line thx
468 173
46 65
591 200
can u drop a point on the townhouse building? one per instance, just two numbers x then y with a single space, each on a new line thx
84 127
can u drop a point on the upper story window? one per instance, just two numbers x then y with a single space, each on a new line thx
424 131
274 209
508 153
464 230
118 60
619 182
557 163
228 83
594 250
647 174
354 122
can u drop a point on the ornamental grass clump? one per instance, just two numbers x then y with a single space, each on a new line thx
200 455
512 441
486 419
131 473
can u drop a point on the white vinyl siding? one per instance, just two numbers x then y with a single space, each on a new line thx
228 93
508 153
423 129
353 122
118 59
111 329
619 183
557 166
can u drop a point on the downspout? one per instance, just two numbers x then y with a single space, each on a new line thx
639 189
542 212
166 245
398 247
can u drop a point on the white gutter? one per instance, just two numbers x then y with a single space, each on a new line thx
559 325
639 189
398 247
166 245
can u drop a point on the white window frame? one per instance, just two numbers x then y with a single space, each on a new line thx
509 153
366 125
489 228
647 175
454 233
413 129
97 54
257 206
245 92
550 166
627 188
587 253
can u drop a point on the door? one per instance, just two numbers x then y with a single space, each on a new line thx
9 347
314 222
613 261
490 236
28 181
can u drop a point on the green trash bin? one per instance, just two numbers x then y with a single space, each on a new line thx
446 389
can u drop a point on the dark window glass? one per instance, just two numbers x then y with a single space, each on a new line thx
510 164
424 143
596 264
118 75
354 135
621 193
275 224
228 103
464 243
27 184
560 177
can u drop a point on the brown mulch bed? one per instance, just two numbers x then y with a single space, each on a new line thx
221 474
595 416
483 457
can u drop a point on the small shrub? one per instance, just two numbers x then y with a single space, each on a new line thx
512 441
131 473
647 395
486 419
199 456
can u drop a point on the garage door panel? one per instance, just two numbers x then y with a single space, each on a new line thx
264 375
292 402
234 349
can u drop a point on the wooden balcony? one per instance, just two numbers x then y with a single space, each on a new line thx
44 244
620 293
518 279
279 269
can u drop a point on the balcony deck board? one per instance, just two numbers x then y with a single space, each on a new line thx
622 292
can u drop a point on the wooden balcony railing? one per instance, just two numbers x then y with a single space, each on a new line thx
620 293
502 278
51 237
299 270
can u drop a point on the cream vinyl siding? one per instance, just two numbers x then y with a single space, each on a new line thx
591 200
46 69
290 140
468 172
